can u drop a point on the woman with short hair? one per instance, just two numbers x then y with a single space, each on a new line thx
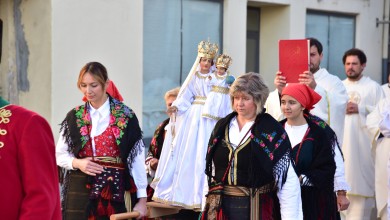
249 154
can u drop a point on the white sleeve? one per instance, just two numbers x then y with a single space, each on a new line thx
290 197
148 168
321 91
339 176
384 124
138 171
184 101
373 123
368 106
331 107
63 157
376 121
272 106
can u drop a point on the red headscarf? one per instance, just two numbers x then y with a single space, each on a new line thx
112 91
303 94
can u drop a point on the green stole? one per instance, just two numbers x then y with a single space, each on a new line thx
3 102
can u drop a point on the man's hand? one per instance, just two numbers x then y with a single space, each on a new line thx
342 201
352 108
153 163
141 207
280 82
307 78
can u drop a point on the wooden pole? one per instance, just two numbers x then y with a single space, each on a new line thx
126 215
155 209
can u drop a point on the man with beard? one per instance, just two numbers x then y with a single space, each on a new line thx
330 108
364 94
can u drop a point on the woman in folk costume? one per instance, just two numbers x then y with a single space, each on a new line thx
249 154
180 178
313 143
102 153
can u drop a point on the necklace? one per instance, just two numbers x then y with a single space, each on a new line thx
220 77
200 75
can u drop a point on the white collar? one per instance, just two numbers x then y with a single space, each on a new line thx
234 123
224 75
295 127
102 110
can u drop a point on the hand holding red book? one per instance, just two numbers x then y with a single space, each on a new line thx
294 58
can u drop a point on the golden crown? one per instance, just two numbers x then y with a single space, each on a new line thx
207 49
224 61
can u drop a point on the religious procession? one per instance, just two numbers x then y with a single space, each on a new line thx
227 146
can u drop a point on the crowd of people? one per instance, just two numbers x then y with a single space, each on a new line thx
229 149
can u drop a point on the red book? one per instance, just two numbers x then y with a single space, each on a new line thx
294 58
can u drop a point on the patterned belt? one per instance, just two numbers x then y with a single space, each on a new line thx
199 100
211 116
220 89
230 190
114 162
236 190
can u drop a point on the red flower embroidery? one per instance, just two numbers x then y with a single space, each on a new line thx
121 122
118 120
87 119
153 142
112 119
84 130
116 131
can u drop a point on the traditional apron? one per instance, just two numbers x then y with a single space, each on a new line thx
97 197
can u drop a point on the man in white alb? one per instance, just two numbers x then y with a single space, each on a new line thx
378 124
364 94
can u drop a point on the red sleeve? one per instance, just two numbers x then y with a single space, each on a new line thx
38 171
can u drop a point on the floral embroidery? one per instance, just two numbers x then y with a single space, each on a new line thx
83 121
280 140
213 143
119 118
120 115
270 138
153 143
318 121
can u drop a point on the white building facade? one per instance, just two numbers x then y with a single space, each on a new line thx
148 46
